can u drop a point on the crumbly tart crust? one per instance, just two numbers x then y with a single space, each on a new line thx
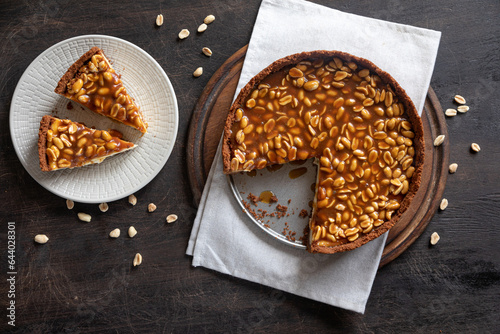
410 114
92 82
63 143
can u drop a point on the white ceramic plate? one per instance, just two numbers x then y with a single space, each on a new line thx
120 175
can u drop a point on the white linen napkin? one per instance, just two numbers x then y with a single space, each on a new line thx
223 238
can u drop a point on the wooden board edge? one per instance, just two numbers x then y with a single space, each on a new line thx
199 119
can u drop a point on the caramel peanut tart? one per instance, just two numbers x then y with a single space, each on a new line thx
66 144
355 121
92 82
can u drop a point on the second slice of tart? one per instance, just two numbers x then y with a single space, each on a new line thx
63 143
92 82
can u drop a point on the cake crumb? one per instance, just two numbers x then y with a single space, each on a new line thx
303 213
281 208
253 198
289 235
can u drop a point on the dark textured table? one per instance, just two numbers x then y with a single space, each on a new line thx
83 281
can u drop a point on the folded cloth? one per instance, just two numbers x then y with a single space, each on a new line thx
223 238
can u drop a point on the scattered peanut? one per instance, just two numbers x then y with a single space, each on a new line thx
459 99
137 260
434 238
475 147
70 204
115 233
439 140
206 51
132 231
159 20
132 199
463 109
209 19
41 238
183 34
202 27
103 207
453 168
450 112
198 72
84 217
444 204
171 218
151 207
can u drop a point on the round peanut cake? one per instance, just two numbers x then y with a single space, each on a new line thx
358 124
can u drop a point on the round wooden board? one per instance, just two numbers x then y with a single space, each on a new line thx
207 124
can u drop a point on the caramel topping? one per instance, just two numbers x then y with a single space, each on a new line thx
297 172
266 196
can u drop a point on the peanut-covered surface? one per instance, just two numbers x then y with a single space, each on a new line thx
351 122
98 87
71 144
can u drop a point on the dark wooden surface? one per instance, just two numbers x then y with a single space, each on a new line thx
207 123
81 281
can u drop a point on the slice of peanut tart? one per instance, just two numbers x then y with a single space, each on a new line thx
63 143
92 82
